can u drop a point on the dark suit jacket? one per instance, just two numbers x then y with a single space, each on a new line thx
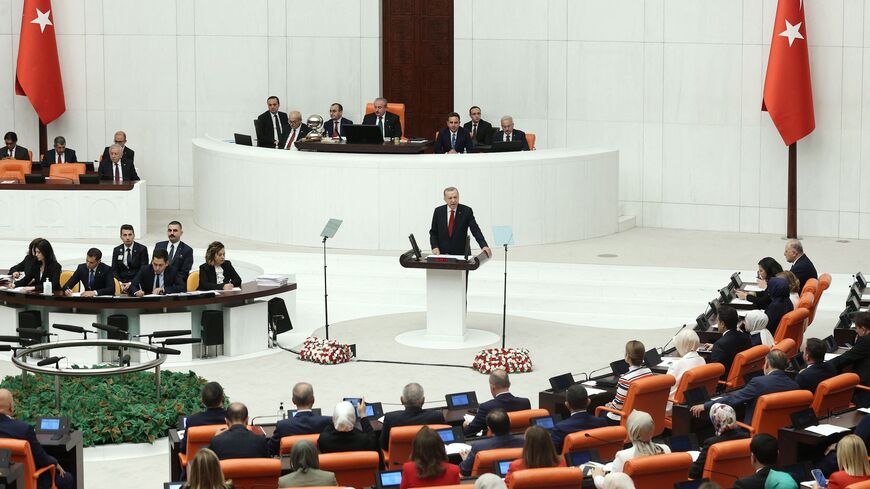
183 259
392 124
302 423
754 481
697 468
265 128
491 443
303 131
484 131
138 259
144 281
50 156
507 402
33 278
577 422
104 279
208 276
810 377
858 357
127 155
332 441
19 430
128 170
517 135
463 221
463 141
327 126
410 416
24 264
239 442
204 418
804 270
20 153
727 347
775 381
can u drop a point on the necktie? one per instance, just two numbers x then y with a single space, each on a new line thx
129 259
473 130
171 252
453 140
157 281
450 223
118 176
335 125
291 139
276 126
58 158
91 280
381 124
508 136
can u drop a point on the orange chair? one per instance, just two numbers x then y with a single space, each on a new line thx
658 471
773 411
859 485
607 441
706 376
520 420
395 108
198 437
745 362
792 326
649 394
811 285
14 169
67 170
399 448
193 281
824 284
454 486
806 301
549 478
21 454
287 442
352 469
65 276
484 460
786 346
728 457
252 473
835 394
530 139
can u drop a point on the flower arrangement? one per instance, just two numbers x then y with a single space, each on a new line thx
327 352
510 359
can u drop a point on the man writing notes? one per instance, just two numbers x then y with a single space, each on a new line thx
450 226
453 138
387 122
480 130
296 130
508 133
271 124
60 153
334 127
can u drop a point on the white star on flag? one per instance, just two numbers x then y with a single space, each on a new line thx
42 19
792 32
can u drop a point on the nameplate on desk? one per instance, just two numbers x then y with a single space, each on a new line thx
445 258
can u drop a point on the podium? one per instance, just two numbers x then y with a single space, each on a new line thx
446 285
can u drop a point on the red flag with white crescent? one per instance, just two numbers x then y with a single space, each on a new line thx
38 73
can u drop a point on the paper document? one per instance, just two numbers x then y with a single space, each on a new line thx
864 410
831 356
694 454
468 417
667 361
590 382
751 288
809 484
592 391
455 448
742 302
826 429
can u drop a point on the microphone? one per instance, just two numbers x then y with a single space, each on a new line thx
11 339
34 331
5 347
70 328
160 350
170 333
589 375
672 338
181 341
49 361
604 440
107 327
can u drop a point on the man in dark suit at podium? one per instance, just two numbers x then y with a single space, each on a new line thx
480 130
508 133
60 153
450 226
271 124
95 276
453 138
334 127
389 123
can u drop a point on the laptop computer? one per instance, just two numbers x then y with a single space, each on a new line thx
505 146
462 400
546 422
450 435
652 358
314 411
576 459
618 368
389 479
363 134
243 139
561 382
803 419
501 467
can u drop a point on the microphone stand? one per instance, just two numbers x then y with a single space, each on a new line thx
325 294
504 299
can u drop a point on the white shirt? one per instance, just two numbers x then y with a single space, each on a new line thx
62 157
120 171
219 274
508 136
127 249
689 361
623 456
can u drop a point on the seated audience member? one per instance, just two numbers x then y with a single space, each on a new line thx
763 454
498 422
794 287
217 273
755 324
204 472
95 277
388 122
270 125
829 463
538 452
212 397
640 428
780 304
732 341
343 436
801 266
19 430
303 421
774 380
453 138
128 258
237 441
428 465
858 357
687 343
295 130
479 129
499 387
60 153
180 254
116 168
334 126
725 426
44 267
120 140
12 151
158 279
619 480
634 351
508 133
19 269
305 468
818 369
576 401
412 398
852 463
490 481
767 269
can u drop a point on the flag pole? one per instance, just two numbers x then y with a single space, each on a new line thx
43 139
791 231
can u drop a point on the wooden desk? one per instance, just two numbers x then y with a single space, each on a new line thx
381 149
792 440
69 454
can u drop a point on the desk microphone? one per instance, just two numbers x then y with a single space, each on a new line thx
181 341
5 347
73 329
170 333
672 338
49 361
604 440
107 327
34 331
589 375
10 339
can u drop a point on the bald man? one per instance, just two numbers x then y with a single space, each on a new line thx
120 139
303 421
295 131
19 430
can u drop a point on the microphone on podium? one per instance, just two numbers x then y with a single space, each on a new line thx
49 361
603 440
672 339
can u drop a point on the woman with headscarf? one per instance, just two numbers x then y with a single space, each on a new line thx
780 304
343 436
755 323
724 421
687 343
640 427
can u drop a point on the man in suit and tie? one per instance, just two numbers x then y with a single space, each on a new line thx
303 421
801 266
858 357
237 441
412 398
212 397
508 133
128 258
271 124
12 151
116 168
450 226
95 276
576 400
158 279
295 131
732 341
60 153
180 254
774 380
334 127
120 139
499 386
498 422
763 455
818 370
480 130
453 138
389 123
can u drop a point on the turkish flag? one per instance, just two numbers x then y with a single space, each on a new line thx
788 93
38 72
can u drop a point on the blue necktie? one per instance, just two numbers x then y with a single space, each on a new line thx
91 281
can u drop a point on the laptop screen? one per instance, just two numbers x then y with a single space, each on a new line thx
390 478
652 358
446 435
459 399
561 382
502 467
619 367
49 424
173 485
545 422
576 459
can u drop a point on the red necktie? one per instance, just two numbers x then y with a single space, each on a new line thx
292 138
450 223
117 173
335 129
474 130
58 158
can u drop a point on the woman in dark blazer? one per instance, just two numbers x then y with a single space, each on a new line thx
767 269
780 303
17 271
217 272
44 266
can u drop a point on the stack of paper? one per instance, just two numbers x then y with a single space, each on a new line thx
826 429
271 280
